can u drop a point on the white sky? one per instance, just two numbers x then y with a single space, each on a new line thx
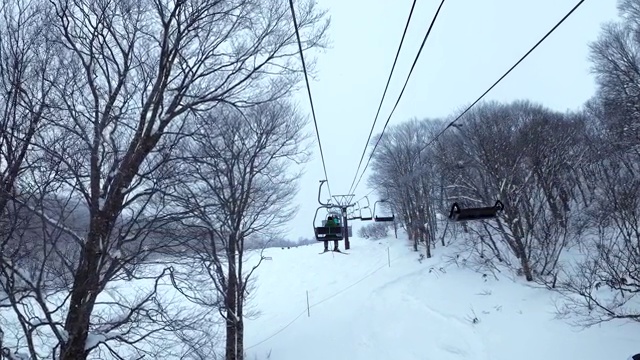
471 45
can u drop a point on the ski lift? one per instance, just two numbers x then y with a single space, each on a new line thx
352 216
354 213
480 213
366 218
337 217
325 233
377 218
363 217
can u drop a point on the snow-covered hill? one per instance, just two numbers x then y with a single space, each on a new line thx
362 308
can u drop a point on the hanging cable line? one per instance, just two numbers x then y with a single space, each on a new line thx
362 198
452 123
306 78
415 61
366 144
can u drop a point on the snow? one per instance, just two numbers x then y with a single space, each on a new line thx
381 301
19 356
94 339
360 308
107 133
116 254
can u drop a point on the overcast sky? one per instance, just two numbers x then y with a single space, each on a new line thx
471 45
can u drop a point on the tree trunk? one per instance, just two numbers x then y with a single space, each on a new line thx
395 229
240 301
495 249
231 303
428 245
524 261
444 233
83 295
240 330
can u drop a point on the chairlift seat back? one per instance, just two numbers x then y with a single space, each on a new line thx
480 213
324 233
384 218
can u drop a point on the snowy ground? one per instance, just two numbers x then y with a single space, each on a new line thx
360 308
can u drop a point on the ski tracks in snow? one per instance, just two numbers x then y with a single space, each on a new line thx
429 334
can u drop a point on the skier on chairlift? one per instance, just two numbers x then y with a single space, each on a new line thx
331 222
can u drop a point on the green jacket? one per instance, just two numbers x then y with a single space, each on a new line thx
331 223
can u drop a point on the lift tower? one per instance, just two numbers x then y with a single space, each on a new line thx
344 203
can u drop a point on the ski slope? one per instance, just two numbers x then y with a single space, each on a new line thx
362 308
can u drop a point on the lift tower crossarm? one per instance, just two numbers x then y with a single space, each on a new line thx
344 200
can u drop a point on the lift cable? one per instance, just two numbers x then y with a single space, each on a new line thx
362 198
415 61
366 144
306 78
452 123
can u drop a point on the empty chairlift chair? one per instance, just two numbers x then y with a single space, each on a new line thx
354 214
377 218
326 233
475 213
364 217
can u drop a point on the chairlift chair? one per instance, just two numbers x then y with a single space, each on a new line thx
353 216
377 218
366 218
337 216
367 207
458 214
326 233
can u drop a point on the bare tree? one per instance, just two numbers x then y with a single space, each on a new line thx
528 157
131 78
604 284
240 187
375 231
615 63
520 153
27 68
402 172
38 274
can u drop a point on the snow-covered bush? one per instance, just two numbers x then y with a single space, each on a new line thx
374 231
